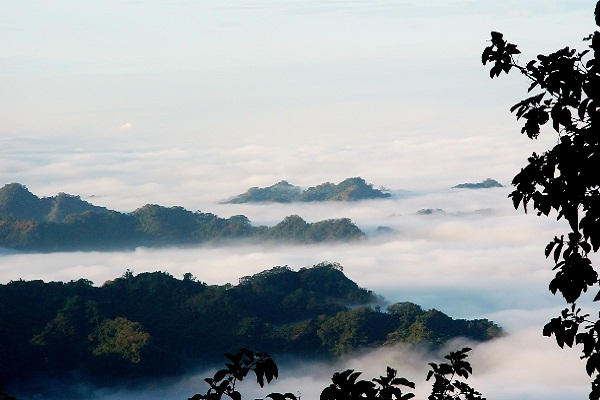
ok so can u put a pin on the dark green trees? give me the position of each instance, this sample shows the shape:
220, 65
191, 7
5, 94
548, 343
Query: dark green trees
65, 222
281, 192
295, 229
565, 88
121, 337
138, 327
350, 189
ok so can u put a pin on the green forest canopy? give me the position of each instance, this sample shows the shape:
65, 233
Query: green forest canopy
350, 189
66, 222
153, 324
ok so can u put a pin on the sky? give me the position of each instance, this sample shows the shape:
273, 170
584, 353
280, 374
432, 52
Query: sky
209, 98
191, 102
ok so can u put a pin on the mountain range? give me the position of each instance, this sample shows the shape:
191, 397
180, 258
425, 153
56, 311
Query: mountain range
485, 184
66, 222
152, 325
350, 189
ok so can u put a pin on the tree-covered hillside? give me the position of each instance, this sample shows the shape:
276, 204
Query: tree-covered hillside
281, 192
351, 189
153, 324
66, 222
17, 202
485, 184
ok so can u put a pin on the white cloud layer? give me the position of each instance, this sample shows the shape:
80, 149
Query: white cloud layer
465, 263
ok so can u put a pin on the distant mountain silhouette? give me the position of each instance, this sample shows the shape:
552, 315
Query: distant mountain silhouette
65, 222
439, 212
281, 192
431, 211
485, 184
351, 189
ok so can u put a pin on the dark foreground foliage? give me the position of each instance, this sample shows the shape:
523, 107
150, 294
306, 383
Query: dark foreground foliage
344, 385
150, 325
565, 93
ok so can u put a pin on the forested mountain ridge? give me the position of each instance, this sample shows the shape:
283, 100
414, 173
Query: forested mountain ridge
350, 189
485, 184
152, 324
16, 201
65, 222
281, 192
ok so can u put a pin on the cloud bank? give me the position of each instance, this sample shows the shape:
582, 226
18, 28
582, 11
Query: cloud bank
466, 263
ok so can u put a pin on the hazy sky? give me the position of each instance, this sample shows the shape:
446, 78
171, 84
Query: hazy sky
191, 102
160, 99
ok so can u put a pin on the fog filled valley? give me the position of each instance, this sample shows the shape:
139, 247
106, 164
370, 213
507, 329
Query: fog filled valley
479, 258
190, 108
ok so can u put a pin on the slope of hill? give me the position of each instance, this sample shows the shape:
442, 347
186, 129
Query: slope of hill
351, 189
16, 201
65, 222
281, 192
485, 184
152, 324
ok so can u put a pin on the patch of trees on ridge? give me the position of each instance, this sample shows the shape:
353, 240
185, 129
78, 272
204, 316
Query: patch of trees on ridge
485, 184
351, 189
152, 324
66, 222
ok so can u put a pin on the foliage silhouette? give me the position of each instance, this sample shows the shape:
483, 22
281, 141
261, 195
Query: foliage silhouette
564, 179
239, 366
345, 385
443, 386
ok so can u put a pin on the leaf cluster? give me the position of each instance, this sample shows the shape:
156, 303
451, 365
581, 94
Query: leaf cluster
347, 385
239, 366
564, 93
444, 387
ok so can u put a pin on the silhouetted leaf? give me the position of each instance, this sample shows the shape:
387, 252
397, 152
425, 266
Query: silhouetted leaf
220, 374
280, 396
404, 382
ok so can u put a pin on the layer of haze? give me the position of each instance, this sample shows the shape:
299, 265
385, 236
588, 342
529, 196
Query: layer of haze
191, 102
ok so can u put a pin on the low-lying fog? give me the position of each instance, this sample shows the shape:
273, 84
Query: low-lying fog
479, 259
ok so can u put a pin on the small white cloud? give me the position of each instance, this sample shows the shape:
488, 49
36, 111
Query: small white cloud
126, 126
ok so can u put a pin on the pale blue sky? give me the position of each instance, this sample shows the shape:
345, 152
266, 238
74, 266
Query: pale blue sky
305, 90
258, 70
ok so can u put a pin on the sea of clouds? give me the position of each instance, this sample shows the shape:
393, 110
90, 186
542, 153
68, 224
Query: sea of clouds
190, 103
478, 259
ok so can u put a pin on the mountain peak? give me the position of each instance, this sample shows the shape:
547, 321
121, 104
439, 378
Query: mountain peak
485, 184
350, 189
16, 201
